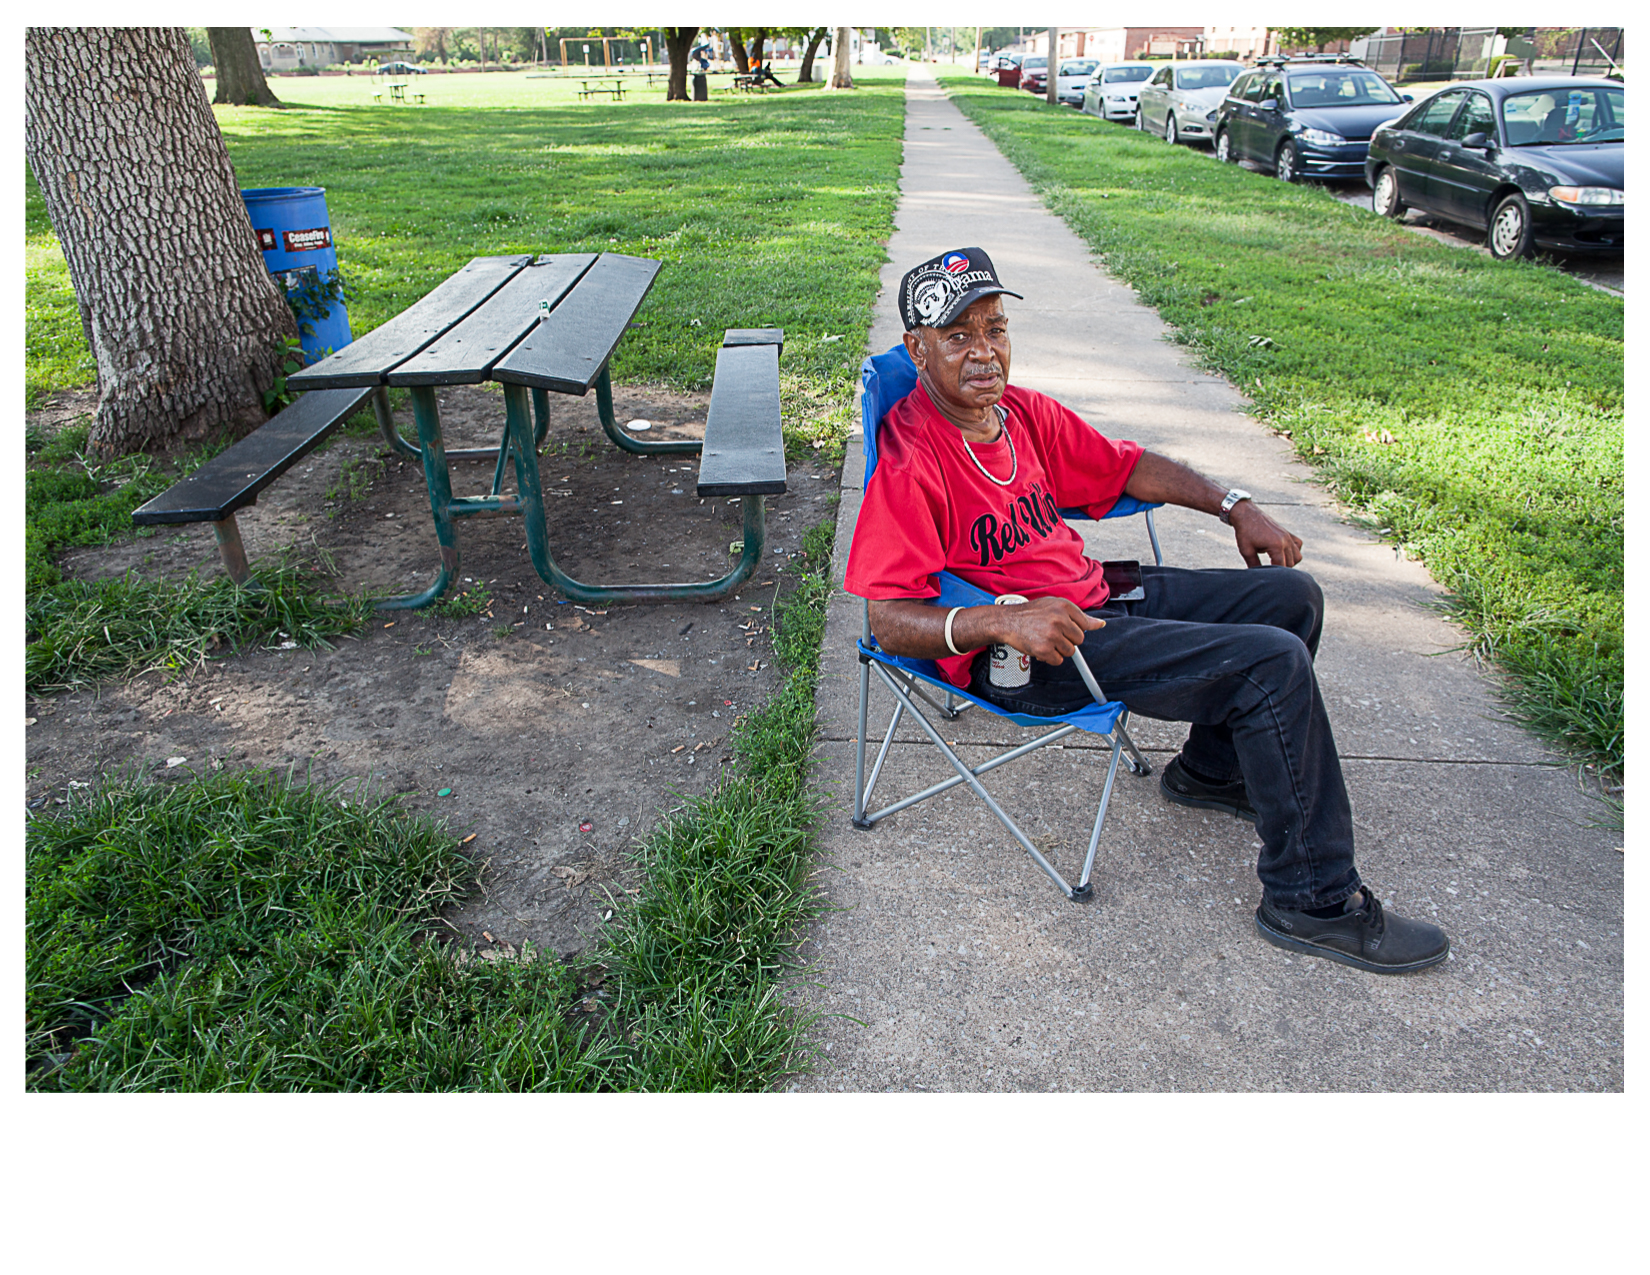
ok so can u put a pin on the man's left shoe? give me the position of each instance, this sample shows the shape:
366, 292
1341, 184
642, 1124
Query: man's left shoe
1180, 787
1365, 936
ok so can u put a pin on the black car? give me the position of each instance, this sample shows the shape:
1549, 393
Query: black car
1532, 161
1306, 118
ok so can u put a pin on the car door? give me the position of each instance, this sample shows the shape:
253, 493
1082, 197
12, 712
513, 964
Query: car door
1266, 122
1462, 180
1235, 107
1414, 149
1154, 100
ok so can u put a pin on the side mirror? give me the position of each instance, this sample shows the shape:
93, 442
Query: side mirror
1477, 142
1269, 104
1408, 97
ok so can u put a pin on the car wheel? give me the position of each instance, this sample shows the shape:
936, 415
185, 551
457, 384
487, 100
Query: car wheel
1223, 148
1140, 121
1288, 163
1386, 200
1171, 132
1509, 236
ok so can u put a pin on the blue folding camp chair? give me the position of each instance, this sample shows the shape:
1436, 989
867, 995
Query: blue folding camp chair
887, 379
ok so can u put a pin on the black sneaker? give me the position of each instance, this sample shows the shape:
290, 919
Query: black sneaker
1179, 787
1365, 936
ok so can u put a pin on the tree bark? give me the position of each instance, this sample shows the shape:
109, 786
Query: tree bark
741, 59
841, 76
1051, 93
816, 37
240, 75
678, 43
757, 42
183, 318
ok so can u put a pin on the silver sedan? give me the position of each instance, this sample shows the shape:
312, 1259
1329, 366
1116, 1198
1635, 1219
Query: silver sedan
1113, 91
1179, 102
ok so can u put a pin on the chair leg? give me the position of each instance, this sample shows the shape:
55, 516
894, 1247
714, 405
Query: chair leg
859, 747
1105, 800
1137, 763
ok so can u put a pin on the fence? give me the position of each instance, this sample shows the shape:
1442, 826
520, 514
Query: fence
1467, 53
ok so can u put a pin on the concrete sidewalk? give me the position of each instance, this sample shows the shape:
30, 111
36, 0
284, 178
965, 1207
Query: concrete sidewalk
951, 963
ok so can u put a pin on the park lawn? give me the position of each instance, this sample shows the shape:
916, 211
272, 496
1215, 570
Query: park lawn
1471, 410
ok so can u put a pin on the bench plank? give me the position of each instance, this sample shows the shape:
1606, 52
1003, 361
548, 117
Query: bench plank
744, 452
232, 479
567, 351
465, 354
367, 359
755, 336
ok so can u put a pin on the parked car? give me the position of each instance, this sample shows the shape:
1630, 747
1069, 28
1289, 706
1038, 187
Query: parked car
1531, 161
400, 68
1008, 69
1034, 73
1180, 100
1305, 118
1074, 78
1113, 91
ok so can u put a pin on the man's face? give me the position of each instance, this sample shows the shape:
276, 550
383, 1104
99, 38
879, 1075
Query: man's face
964, 366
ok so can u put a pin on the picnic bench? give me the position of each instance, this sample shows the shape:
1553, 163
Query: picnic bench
231, 480
612, 85
537, 326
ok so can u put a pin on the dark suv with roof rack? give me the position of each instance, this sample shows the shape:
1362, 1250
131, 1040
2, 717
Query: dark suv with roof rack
1305, 117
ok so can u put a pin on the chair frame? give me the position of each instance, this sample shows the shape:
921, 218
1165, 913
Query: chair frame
911, 680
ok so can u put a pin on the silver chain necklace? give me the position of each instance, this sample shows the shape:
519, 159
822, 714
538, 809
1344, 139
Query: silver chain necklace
1002, 423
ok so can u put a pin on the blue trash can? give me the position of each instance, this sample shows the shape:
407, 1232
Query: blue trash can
296, 237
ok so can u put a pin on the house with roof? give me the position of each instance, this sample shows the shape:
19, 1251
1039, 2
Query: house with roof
288, 48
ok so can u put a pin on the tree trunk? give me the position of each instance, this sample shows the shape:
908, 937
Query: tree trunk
1051, 93
183, 318
815, 38
678, 42
741, 59
240, 75
841, 76
757, 42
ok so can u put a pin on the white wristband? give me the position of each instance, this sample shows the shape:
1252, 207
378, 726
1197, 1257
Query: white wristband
952, 615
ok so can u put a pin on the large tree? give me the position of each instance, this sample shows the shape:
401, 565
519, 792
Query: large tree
841, 76
240, 75
815, 37
678, 44
178, 309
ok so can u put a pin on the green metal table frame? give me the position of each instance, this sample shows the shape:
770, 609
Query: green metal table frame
526, 423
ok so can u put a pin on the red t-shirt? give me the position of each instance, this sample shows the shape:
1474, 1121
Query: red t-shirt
928, 508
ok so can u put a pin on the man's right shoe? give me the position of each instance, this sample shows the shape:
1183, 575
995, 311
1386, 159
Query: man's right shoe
1181, 788
1365, 936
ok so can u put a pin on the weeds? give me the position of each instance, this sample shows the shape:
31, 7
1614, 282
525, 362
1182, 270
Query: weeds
476, 600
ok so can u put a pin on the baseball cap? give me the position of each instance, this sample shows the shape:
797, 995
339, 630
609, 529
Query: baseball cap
936, 292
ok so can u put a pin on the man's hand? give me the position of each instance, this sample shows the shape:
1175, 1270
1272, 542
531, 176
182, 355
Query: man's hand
1047, 629
1258, 534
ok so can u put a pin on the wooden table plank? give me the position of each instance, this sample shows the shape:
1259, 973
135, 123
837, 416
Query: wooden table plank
465, 354
368, 359
567, 351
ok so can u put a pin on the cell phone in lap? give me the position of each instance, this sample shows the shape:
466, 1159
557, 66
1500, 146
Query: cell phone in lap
1123, 580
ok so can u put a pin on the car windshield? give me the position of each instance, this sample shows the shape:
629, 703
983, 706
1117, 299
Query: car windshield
1034, 64
1206, 77
1341, 88
1078, 66
1584, 114
1127, 74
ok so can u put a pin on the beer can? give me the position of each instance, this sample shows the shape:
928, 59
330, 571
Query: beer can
1009, 668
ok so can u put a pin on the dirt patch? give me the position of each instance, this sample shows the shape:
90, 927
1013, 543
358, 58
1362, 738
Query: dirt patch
557, 734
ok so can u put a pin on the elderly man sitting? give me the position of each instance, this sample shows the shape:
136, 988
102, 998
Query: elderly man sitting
971, 476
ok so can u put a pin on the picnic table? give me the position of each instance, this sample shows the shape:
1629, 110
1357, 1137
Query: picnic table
397, 90
613, 85
549, 324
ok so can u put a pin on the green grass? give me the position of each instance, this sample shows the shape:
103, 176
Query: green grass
1470, 409
236, 933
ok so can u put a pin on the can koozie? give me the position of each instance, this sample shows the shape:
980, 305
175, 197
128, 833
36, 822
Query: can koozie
1009, 668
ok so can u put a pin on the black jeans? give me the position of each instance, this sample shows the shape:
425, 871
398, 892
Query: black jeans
1229, 651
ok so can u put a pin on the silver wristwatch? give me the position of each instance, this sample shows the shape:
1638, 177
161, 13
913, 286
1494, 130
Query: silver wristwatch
1226, 506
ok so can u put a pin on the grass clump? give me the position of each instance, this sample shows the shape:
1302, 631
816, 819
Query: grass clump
238, 933
1471, 410
84, 630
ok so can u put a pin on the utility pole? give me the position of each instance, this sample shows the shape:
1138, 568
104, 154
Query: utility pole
1053, 86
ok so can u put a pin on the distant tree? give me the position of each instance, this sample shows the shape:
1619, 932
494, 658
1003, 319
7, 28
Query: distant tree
432, 42
176, 304
814, 38
1316, 37
678, 44
240, 75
